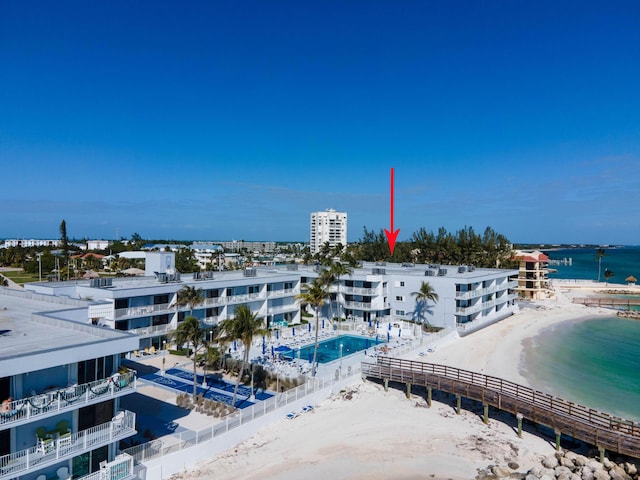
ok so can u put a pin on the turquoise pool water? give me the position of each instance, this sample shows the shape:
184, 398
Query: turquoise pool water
329, 350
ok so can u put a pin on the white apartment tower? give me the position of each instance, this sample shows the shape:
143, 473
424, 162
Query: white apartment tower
328, 226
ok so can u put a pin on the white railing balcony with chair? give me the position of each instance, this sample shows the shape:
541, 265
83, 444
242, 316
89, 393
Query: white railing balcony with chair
43, 455
24, 410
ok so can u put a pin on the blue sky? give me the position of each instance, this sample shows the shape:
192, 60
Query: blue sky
235, 120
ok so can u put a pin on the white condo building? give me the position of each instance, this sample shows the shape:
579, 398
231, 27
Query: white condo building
328, 226
61, 382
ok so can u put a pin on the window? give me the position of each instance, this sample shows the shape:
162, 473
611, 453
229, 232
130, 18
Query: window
399, 284
399, 298
400, 313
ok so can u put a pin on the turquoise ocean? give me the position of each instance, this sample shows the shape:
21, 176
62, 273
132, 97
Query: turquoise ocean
591, 361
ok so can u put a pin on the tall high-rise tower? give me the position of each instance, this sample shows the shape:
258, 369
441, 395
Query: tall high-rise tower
328, 226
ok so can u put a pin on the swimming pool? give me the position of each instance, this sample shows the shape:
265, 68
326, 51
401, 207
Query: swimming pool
329, 350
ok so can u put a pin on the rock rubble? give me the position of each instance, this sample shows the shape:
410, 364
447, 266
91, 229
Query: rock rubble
566, 465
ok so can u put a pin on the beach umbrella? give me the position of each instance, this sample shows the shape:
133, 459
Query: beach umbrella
323, 323
293, 331
309, 325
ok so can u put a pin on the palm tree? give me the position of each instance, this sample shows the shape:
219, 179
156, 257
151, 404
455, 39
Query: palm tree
599, 254
189, 331
243, 327
426, 293
314, 295
191, 297
339, 269
607, 275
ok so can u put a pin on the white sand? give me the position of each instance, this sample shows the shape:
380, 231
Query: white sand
379, 435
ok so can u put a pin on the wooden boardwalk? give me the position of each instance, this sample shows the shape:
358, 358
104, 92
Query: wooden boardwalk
564, 417
607, 302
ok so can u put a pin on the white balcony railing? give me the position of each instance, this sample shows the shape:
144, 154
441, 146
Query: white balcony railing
359, 290
48, 404
215, 301
282, 292
143, 310
151, 331
282, 308
121, 468
37, 457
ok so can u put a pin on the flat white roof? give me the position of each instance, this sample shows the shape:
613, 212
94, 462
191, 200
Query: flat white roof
34, 336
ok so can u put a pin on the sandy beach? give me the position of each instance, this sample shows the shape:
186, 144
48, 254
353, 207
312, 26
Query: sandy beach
367, 433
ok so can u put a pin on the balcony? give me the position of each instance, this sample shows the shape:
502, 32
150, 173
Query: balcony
283, 292
359, 290
246, 297
282, 308
143, 310
48, 404
215, 301
359, 305
151, 331
35, 458
121, 468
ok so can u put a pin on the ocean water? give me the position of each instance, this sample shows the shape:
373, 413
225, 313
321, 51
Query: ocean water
594, 362
622, 261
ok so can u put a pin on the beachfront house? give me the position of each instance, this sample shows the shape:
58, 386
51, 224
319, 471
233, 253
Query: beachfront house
533, 274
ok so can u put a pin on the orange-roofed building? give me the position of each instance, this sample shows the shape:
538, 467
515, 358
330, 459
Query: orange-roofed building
533, 275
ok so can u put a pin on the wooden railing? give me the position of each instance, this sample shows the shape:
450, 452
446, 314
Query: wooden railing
607, 301
580, 422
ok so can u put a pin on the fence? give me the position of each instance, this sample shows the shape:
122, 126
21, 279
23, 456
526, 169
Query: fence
177, 442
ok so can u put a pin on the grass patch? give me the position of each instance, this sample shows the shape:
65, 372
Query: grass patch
21, 277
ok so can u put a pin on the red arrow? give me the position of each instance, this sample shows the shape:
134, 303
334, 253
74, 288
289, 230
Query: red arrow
391, 233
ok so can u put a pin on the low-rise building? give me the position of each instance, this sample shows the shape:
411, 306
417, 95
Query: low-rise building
60, 387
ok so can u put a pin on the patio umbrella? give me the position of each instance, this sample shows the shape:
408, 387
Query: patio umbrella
264, 346
389, 326
399, 331
293, 331
277, 333
273, 351
323, 323
309, 325
235, 345
388, 337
